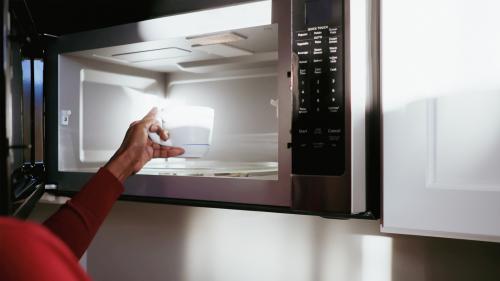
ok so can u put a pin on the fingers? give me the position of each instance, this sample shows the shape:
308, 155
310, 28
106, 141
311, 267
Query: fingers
159, 153
167, 151
152, 124
164, 134
156, 146
151, 114
156, 128
175, 151
150, 118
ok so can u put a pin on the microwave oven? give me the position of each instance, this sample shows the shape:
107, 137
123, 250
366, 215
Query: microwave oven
291, 85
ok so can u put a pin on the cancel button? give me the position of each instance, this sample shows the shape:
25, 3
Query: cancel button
334, 131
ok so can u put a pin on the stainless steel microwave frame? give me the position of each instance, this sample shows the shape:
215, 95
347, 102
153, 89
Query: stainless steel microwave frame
352, 193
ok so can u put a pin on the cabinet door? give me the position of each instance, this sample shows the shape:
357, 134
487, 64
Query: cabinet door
440, 91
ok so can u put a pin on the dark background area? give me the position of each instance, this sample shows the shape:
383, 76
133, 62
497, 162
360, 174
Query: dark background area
59, 17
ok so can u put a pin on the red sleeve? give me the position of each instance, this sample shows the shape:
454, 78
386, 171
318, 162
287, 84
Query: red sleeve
77, 221
29, 252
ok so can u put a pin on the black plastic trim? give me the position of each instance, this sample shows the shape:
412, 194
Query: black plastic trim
24, 210
230, 206
5, 193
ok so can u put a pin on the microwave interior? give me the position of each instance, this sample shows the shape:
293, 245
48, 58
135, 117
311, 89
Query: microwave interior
220, 88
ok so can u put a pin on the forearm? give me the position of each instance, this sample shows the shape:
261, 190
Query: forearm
77, 221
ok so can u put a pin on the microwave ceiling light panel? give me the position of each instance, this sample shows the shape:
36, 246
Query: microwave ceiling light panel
219, 38
223, 50
151, 55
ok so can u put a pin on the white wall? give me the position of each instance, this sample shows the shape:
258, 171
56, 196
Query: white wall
142, 241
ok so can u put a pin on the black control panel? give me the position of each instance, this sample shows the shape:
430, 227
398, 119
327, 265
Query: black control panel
318, 128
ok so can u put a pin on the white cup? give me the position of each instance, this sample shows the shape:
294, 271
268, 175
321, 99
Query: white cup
189, 127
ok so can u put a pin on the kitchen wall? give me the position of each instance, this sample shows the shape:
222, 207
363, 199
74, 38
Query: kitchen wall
142, 241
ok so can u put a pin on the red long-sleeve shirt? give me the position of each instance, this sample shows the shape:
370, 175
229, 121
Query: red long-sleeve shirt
30, 251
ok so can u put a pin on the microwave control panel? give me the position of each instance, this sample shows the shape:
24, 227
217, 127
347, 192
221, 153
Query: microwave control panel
318, 127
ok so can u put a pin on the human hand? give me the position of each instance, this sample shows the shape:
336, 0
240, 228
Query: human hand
137, 148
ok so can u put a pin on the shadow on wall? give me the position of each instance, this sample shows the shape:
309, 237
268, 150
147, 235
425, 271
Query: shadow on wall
144, 241
141, 241
444, 259
356, 250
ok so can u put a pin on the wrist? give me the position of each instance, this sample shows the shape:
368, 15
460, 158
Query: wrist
120, 166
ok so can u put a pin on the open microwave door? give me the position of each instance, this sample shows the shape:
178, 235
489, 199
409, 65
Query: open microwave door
220, 75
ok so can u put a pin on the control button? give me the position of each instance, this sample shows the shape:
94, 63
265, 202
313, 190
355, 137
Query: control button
317, 60
333, 49
317, 32
302, 86
318, 37
333, 59
303, 102
303, 62
334, 109
333, 69
333, 90
303, 44
318, 70
334, 135
317, 91
333, 40
334, 130
303, 71
303, 131
317, 81
303, 53
333, 30
317, 145
333, 138
302, 35
318, 42
332, 99
317, 100
333, 80
317, 51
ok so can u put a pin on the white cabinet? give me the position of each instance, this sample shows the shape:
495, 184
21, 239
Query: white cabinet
440, 95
